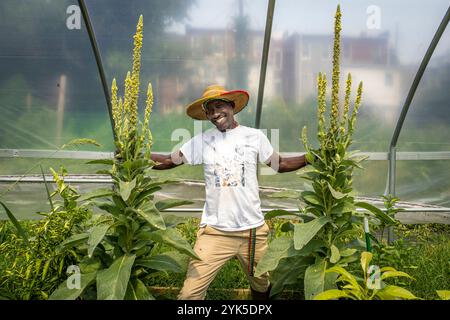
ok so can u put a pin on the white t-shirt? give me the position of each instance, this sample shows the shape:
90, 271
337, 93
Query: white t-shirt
230, 167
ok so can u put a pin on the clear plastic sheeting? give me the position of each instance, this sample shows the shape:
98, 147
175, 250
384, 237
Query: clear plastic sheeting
50, 90
382, 44
187, 46
51, 93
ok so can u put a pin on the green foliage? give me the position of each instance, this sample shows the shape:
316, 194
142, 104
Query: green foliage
358, 288
119, 250
324, 238
423, 251
32, 264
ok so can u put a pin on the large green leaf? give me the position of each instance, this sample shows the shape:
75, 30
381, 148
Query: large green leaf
170, 203
377, 212
161, 262
394, 292
16, 223
64, 293
96, 236
125, 188
336, 194
278, 249
141, 290
290, 270
315, 279
173, 238
101, 161
75, 240
150, 213
331, 295
97, 193
173, 220
112, 282
304, 232
137, 291
311, 197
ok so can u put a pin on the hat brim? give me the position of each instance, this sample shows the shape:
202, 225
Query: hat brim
239, 97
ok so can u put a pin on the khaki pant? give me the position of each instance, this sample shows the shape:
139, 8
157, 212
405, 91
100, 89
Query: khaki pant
215, 248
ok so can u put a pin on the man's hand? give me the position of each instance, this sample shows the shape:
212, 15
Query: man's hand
167, 161
286, 164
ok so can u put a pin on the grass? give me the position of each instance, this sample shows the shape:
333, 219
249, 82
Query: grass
423, 251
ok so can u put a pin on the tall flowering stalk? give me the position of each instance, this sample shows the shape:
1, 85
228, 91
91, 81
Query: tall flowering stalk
120, 242
330, 221
132, 137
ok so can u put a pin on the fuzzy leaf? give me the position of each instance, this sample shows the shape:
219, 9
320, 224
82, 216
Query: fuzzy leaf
173, 238
315, 279
377, 212
152, 215
126, 187
96, 236
112, 283
101, 161
170, 203
311, 197
64, 293
304, 232
161, 262
98, 193
279, 248
336, 194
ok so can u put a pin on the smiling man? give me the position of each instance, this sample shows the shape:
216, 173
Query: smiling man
232, 223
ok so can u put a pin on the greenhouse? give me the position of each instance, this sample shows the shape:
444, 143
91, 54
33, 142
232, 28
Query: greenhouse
335, 112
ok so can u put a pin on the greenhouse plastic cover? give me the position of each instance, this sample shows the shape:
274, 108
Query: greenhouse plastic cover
51, 90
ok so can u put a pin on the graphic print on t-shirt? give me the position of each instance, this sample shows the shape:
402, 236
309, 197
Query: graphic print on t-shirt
229, 169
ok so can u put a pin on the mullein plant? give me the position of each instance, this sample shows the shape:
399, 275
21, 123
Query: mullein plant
330, 229
121, 244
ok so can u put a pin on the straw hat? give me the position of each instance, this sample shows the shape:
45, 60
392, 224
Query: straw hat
239, 97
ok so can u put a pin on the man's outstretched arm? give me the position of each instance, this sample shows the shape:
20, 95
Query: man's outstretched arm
167, 161
286, 164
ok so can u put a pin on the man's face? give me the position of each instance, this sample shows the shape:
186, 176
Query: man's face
220, 113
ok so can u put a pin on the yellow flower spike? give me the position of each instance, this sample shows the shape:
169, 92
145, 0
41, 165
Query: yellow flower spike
352, 120
114, 106
335, 77
346, 105
127, 105
135, 73
148, 111
120, 123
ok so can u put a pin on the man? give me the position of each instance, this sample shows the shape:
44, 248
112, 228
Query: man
232, 224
